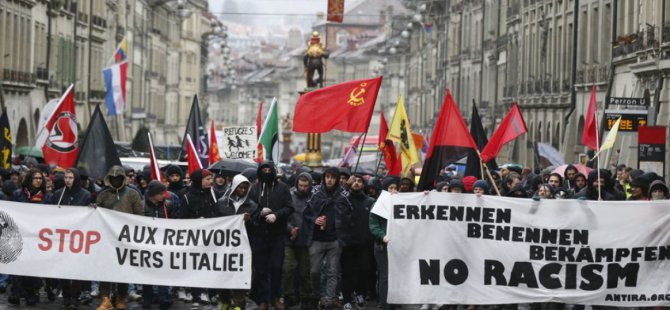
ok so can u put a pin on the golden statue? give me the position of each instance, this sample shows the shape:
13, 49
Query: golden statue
313, 60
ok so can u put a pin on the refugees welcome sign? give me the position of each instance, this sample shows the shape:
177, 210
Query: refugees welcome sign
462, 249
101, 245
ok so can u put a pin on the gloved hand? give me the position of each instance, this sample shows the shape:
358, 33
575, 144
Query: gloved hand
266, 211
270, 218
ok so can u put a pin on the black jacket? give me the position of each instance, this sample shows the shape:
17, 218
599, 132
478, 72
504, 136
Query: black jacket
299, 206
159, 210
321, 200
357, 231
196, 201
274, 195
74, 196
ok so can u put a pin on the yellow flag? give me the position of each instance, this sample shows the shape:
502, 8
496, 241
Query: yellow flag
400, 131
608, 143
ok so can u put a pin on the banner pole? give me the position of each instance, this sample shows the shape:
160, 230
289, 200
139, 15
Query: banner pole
61, 196
360, 152
495, 186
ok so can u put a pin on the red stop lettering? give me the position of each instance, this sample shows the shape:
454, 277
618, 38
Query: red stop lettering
74, 241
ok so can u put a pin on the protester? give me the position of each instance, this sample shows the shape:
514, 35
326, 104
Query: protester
296, 260
345, 173
545, 191
175, 178
591, 192
198, 202
220, 184
391, 184
406, 185
374, 187
580, 182
456, 186
357, 245
117, 196
322, 222
555, 180
156, 205
33, 190
658, 191
442, 186
639, 189
480, 188
569, 177
235, 202
268, 237
468, 183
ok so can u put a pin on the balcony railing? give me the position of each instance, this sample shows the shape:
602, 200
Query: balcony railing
628, 44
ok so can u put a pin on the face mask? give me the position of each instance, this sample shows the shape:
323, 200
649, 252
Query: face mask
116, 182
266, 177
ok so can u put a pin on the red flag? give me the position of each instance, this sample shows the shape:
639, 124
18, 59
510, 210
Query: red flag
259, 126
346, 106
396, 165
61, 145
450, 141
214, 155
388, 149
153, 163
590, 133
335, 11
511, 127
192, 156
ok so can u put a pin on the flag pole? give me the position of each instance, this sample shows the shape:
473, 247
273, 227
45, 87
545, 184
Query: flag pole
495, 186
598, 153
61, 196
365, 136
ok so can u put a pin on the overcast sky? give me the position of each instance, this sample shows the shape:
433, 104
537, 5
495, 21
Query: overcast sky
269, 13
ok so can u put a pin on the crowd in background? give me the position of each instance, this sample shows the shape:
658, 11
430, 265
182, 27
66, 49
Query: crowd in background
314, 242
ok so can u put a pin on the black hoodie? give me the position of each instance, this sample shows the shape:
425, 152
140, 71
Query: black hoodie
299, 205
178, 187
357, 230
74, 196
198, 202
270, 193
331, 202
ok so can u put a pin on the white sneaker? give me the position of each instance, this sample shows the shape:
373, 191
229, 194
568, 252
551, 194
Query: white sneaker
360, 301
133, 296
195, 306
215, 299
188, 297
95, 293
425, 307
181, 294
204, 298
347, 306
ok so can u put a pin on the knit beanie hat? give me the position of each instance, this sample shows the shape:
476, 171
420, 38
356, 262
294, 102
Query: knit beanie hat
468, 183
482, 184
155, 187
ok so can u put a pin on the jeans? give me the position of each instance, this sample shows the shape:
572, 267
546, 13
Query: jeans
296, 272
267, 260
119, 289
355, 268
329, 251
381, 255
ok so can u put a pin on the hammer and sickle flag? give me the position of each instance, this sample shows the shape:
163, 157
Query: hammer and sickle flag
346, 106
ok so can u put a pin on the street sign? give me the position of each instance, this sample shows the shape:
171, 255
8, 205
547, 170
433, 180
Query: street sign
651, 149
638, 102
631, 120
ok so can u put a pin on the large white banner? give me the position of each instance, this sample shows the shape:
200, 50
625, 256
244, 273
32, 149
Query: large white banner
462, 249
239, 142
102, 245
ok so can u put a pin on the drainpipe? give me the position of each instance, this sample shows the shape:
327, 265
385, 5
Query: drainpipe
575, 32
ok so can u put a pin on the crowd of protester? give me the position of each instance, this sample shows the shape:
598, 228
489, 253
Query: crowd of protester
314, 242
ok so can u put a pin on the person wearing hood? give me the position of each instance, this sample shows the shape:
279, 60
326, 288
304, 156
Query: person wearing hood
658, 191
357, 245
175, 178
198, 202
374, 187
117, 196
590, 192
323, 223
235, 201
456, 186
406, 185
268, 237
220, 184
71, 194
639, 188
569, 177
296, 260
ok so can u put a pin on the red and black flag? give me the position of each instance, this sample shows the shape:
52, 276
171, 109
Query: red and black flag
473, 167
450, 142
58, 138
195, 128
98, 152
510, 128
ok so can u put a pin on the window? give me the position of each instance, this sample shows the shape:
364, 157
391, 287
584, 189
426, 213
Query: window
341, 37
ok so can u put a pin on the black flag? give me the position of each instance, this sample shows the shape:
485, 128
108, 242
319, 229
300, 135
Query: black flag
98, 152
477, 131
5, 141
194, 128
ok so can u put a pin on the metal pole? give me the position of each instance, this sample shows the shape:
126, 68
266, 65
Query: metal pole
88, 84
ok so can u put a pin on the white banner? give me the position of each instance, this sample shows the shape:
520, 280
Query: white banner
239, 142
462, 249
102, 245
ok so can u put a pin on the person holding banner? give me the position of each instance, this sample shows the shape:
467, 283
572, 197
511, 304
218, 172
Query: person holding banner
71, 195
117, 196
198, 202
235, 202
33, 190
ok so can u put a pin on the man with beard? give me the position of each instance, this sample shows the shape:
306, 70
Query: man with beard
356, 240
117, 196
296, 261
175, 178
322, 221
268, 237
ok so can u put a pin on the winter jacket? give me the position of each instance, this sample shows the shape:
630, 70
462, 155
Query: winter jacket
357, 231
377, 227
324, 202
122, 199
299, 205
74, 196
196, 201
166, 210
274, 195
229, 205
